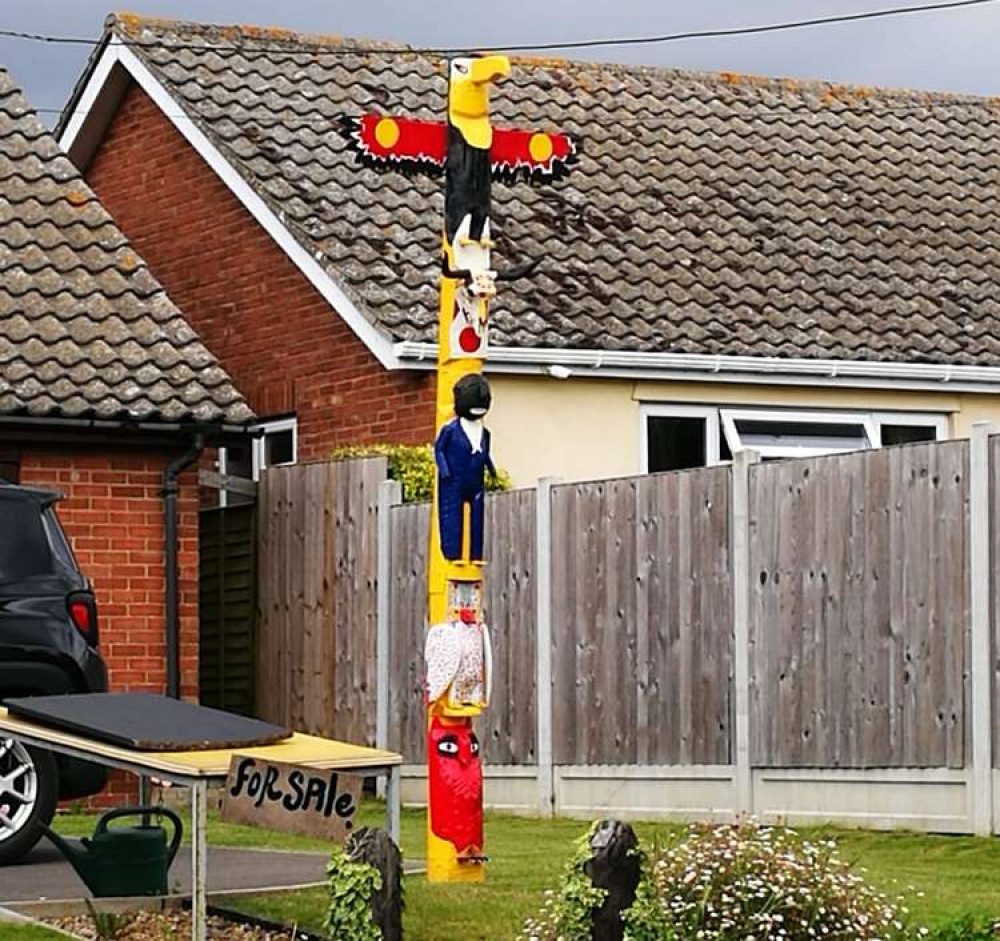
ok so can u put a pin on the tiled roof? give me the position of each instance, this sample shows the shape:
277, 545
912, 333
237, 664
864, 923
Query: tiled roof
710, 214
85, 330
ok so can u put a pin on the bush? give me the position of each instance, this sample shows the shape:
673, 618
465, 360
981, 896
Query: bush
352, 886
736, 882
744, 881
566, 913
413, 467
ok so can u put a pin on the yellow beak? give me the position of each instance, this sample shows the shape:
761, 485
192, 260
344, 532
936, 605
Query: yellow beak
469, 99
489, 69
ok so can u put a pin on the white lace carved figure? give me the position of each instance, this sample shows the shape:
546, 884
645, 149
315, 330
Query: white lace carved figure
458, 663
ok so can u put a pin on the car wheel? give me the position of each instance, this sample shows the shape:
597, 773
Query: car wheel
29, 785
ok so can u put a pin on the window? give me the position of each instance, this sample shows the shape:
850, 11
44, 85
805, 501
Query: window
276, 443
678, 437
675, 437
276, 446
796, 434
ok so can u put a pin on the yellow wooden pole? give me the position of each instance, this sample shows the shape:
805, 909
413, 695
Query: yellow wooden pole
468, 115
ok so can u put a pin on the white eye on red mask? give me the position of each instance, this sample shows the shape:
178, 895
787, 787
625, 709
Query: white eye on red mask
448, 746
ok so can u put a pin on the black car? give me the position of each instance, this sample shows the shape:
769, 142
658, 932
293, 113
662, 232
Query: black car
48, 645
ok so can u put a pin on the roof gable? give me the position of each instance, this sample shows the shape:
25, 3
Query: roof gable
85, 329
708, 215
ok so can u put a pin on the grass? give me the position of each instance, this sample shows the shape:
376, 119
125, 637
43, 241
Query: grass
942, 877
11, 932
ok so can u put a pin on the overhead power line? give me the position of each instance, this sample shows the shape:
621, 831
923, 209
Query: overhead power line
714, 33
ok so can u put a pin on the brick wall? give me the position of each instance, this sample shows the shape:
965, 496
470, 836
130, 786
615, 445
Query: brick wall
113, 514
283, 345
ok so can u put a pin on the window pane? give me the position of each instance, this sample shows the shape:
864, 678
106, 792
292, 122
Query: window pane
24, 547
58, 542
767, 433
239, 460
279, 447
675, 443
907, 434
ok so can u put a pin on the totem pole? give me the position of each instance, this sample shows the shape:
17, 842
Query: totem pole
457, 650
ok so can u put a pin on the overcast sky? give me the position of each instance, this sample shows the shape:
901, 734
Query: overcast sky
949, 50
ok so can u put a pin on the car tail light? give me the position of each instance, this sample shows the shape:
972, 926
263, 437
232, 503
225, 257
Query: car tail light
83, 614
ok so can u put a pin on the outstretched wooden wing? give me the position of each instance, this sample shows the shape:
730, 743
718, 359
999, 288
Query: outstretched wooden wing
383, 142
536, 156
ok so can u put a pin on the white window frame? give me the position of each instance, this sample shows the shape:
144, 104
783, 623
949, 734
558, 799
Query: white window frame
709, 413
937, 420
730, 416
257, 450
270, 427
713, 416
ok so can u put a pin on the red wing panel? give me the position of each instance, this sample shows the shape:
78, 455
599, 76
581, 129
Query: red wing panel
389, 143
537, 156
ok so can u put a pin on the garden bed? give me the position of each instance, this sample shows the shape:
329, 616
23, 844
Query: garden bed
176, 926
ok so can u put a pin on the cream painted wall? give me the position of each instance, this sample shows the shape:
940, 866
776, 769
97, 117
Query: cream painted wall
580, 429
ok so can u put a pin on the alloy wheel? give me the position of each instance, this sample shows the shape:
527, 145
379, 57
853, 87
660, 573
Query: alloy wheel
18, 787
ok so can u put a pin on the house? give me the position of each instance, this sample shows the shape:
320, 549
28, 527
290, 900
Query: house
794, 266
108, 395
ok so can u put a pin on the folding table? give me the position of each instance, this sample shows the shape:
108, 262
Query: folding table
198, 769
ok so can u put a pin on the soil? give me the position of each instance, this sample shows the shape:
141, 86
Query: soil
168, 926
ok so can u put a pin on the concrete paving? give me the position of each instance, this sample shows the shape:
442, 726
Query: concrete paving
43, 874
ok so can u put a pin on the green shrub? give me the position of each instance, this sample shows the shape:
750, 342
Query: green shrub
413, 467
351, 886
728, 883
566, 913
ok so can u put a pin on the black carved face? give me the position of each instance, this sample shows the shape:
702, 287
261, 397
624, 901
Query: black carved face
472, 396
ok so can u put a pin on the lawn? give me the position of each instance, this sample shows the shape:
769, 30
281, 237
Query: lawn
942, 877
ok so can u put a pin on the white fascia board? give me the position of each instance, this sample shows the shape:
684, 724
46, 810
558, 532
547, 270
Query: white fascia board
377, 343
731, 369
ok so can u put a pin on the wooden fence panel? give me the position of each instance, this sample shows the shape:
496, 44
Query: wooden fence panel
316, 647
408, 624
642, 620
994, 486
354, 545
227, 607
859, 611
507, 729
508, 732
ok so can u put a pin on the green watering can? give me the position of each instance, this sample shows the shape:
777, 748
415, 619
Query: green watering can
124, 861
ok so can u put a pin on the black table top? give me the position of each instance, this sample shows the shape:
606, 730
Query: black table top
146, 722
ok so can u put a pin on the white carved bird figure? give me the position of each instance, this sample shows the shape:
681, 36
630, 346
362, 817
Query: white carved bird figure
458, 663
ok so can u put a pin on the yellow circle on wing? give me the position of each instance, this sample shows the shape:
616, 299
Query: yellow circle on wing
540, 147
387, 133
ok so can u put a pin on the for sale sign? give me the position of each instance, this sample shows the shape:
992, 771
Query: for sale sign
292, 798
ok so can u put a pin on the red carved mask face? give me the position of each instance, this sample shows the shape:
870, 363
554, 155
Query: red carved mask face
456, 784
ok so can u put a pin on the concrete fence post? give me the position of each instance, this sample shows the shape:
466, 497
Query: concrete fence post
739, 508
543, 644
981, 672
390, 494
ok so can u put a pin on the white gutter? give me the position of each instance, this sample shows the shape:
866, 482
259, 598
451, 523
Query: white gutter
609, 364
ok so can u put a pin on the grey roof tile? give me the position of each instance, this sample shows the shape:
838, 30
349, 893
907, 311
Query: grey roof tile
85, 329
713, 214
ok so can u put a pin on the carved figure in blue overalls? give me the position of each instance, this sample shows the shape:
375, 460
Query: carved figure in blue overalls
462, 452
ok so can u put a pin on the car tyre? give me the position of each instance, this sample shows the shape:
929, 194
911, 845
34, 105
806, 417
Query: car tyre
29, 789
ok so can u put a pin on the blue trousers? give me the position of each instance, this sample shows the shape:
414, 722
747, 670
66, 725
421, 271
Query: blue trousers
452, 500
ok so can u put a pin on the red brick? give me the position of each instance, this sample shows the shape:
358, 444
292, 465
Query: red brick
119, 544
278, 338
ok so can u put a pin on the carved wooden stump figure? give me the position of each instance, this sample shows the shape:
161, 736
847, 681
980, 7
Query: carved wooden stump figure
375, 847
613, 866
